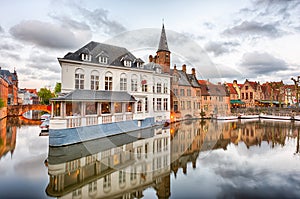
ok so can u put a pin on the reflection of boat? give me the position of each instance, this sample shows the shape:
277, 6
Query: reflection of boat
276, 117
242, 116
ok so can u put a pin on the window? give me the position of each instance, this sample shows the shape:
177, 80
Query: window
189, 93
122, 177
188, 104
165, 104
246, 96
106, 182
158, 104
127, 63
108, 81
198, 105
105, 107
243, 96
91, 108
94, 80
175, 91
246, 87
153, 103
182, 107
118, 107
205, 98
134, 83
103, 60
158, 87
86, 57
165, 88
181, 92
79, 79
251, 95
197, 93
128, 107
146, 104
144, 85
175, 106
123, 82
139, 106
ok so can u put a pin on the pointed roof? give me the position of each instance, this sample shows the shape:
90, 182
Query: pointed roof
163, 44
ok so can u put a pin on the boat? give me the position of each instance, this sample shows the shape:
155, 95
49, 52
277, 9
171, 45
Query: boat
276, 117
228, 117
242, 116
297, 117
45, 126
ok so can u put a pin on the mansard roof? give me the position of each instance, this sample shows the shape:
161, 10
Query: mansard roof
115, 54
163, 44
95, 95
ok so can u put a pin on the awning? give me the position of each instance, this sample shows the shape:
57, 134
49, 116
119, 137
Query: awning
96, 96
236, 102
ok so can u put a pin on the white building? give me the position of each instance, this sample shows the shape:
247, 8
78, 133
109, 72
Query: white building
103, 83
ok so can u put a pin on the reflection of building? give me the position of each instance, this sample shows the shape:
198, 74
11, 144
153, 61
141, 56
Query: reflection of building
118, 166
7, 138
28, 96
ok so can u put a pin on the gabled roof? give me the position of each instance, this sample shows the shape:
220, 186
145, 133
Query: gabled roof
163, 44
95, 49
6, 73
231, 89
93, 95
193, 81
183, 78
210, 89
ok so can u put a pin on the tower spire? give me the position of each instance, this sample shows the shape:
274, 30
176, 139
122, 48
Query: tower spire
163, 44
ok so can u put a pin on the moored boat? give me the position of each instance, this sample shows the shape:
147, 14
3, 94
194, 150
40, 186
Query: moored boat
242, 116
226, 117
277, 117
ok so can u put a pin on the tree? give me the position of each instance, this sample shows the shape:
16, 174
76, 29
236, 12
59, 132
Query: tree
57, 88
44, 95
1, 103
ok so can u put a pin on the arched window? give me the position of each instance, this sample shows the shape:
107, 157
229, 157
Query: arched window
108, 81
123, 82
79, 78
94, 80
144, 84
134, 82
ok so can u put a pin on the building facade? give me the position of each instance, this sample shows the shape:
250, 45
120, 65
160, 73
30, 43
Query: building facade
105, 83
251, 92
12, 86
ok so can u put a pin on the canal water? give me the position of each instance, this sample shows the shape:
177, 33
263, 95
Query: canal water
191, 159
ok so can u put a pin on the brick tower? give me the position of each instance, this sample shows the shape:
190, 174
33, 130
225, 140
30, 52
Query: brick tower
163, 54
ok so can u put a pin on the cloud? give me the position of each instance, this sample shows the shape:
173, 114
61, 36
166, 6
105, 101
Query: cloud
263, 63
49, 35
220, 48
253, 28
99, 19
1, 29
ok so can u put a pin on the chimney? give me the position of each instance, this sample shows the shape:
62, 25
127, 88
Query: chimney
193, 71
174, 66
184, 68
155, 58
235, 81
150, 58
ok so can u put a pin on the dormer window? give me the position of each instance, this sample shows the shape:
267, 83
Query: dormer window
103, 60
127, 63
86, 57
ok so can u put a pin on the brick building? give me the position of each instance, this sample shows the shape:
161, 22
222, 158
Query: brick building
251, 92
12, 81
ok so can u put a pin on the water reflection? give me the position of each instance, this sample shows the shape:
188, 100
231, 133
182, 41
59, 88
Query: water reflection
127, 165
7, 138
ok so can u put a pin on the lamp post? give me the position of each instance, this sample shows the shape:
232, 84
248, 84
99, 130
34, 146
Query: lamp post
296, 82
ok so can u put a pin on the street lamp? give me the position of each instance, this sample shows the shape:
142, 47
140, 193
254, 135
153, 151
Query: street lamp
296, 82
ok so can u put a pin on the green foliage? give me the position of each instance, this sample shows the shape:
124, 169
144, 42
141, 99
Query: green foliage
45, 94
1, 103
57, 88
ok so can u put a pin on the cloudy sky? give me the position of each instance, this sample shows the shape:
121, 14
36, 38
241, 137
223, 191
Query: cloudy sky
223, 40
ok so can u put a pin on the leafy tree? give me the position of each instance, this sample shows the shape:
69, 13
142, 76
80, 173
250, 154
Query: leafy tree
57, 88
44, 95
1, 103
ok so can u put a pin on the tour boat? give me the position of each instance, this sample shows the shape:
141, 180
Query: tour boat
276, 117
228, 117
297, 117
242, 116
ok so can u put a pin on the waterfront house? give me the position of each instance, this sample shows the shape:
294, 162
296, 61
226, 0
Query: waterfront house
102, 83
